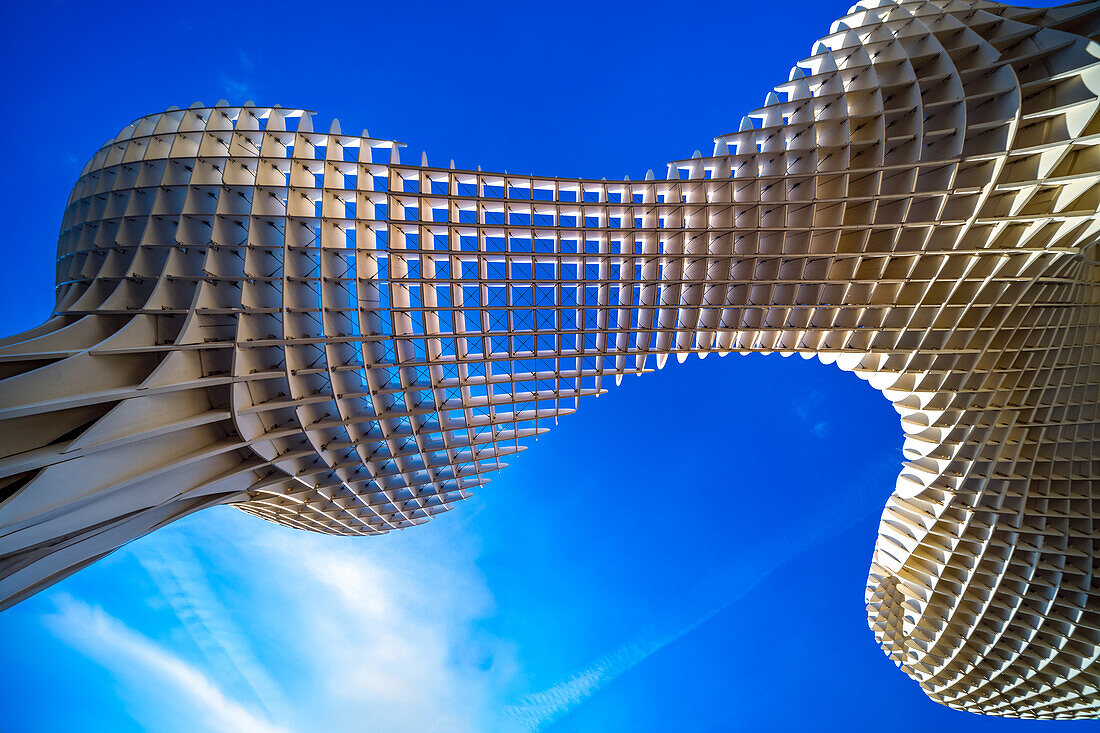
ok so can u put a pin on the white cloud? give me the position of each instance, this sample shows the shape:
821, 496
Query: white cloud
392, 632
182, 581
346, 634
322, 633
135, 658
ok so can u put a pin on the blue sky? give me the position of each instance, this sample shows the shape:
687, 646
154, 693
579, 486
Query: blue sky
687, 552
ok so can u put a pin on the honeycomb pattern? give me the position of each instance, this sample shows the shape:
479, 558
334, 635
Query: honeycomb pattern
253, 312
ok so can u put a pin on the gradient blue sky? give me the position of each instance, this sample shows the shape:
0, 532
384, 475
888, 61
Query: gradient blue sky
687, 552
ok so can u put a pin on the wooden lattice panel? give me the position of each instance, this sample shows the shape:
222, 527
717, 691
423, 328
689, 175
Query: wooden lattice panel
253, 312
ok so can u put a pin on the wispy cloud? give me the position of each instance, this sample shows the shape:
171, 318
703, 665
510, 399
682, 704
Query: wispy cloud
237, 90
722, 589
183, 583
236, 81
132, 656
808, 410
367, 636
382, 636
392, 626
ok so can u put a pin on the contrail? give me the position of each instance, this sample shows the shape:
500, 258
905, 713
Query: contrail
124, 651
178, 574
719, 593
